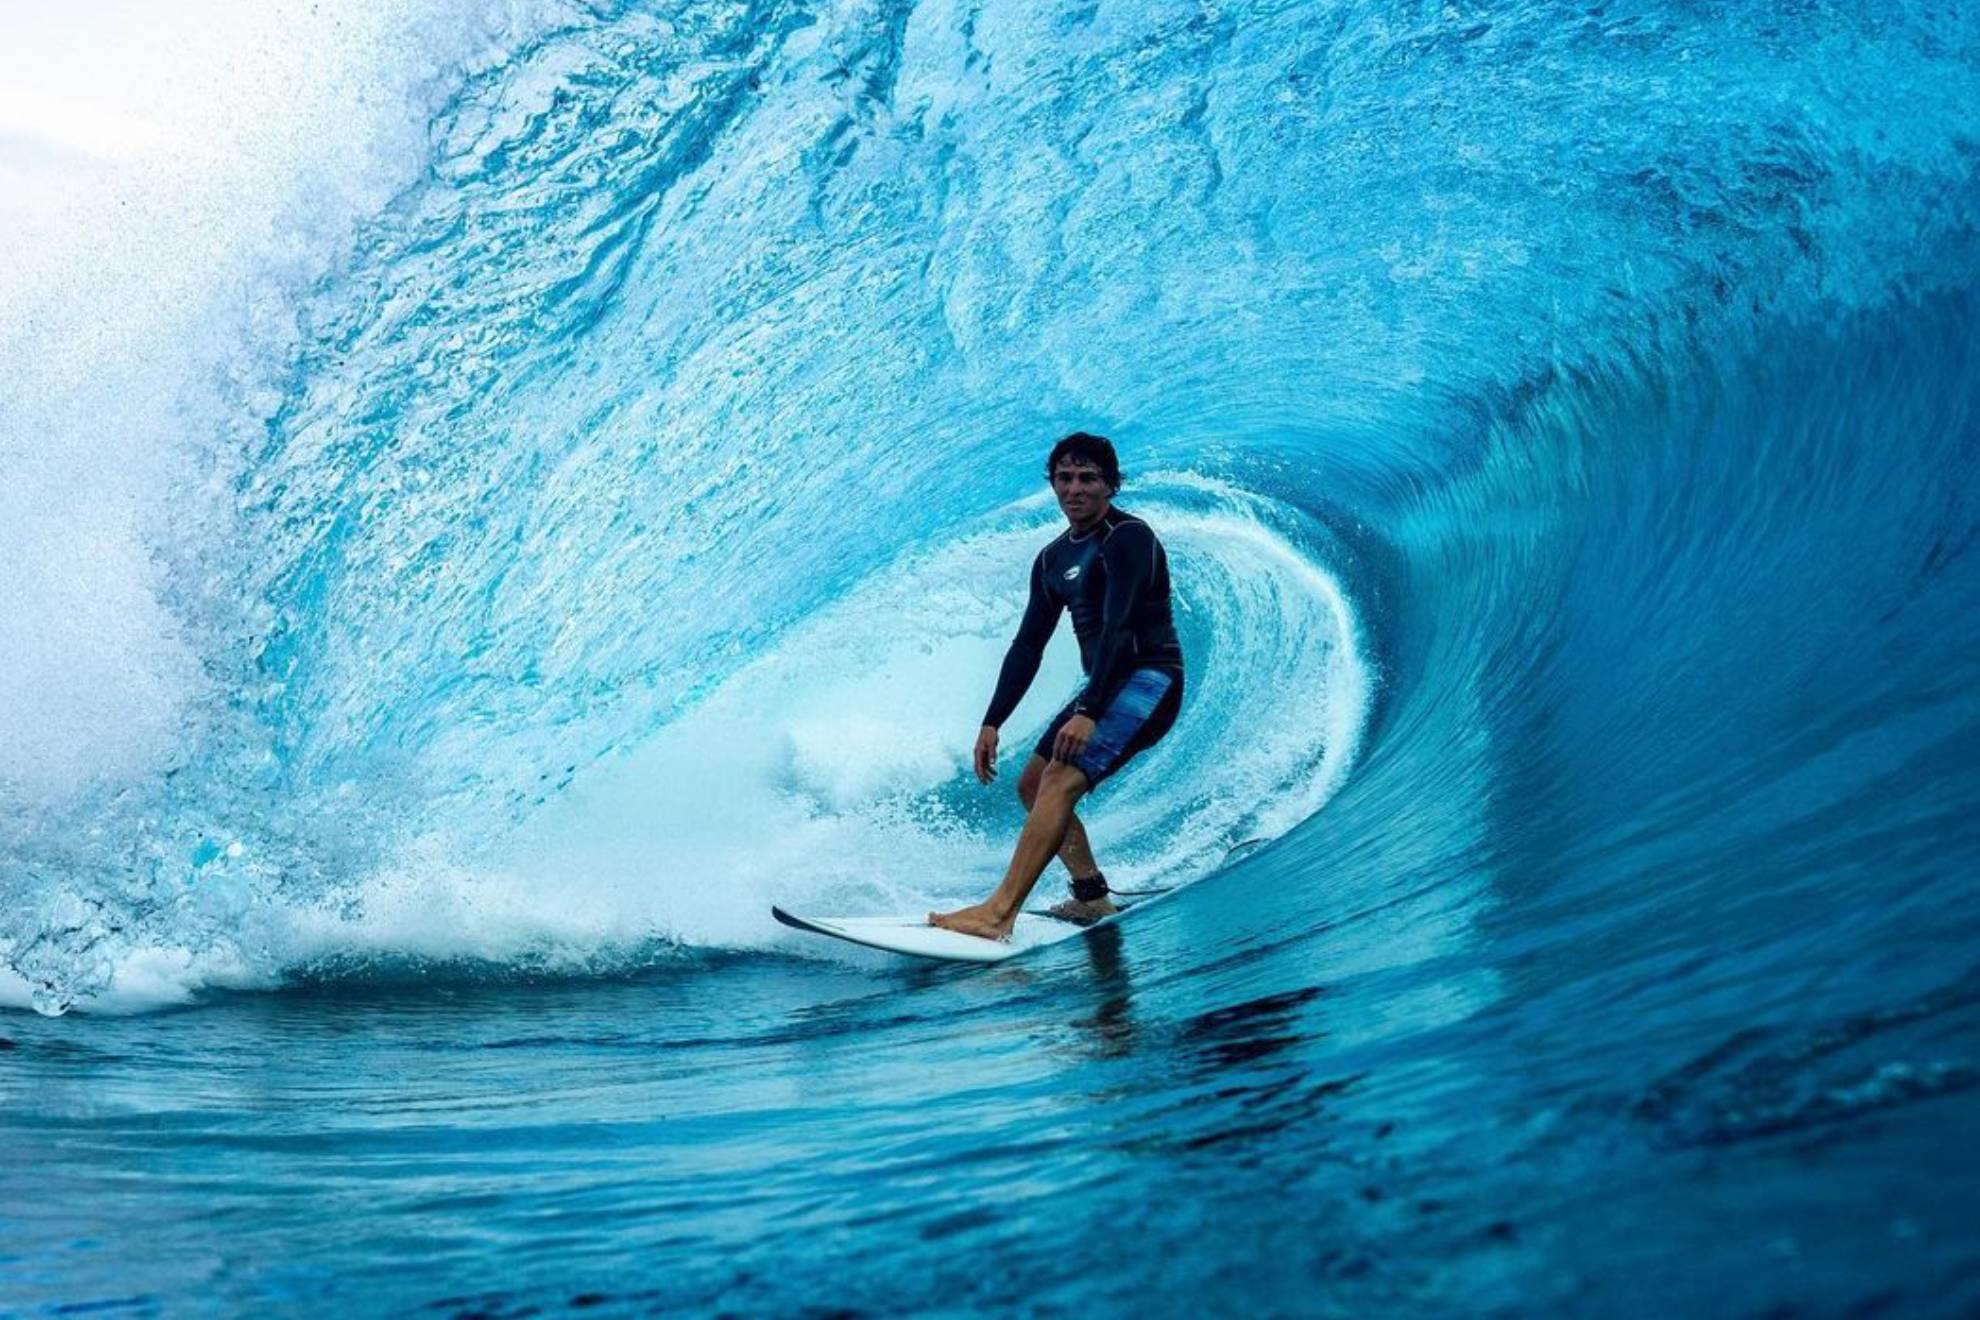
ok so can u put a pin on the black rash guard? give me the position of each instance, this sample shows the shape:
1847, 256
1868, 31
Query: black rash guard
1115, 580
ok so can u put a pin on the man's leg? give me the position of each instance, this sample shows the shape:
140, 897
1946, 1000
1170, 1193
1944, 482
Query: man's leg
1059, 789
1075, 852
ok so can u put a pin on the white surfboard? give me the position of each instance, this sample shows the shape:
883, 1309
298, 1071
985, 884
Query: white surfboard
912, 935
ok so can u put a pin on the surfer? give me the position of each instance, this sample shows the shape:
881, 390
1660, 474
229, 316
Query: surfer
1111, 572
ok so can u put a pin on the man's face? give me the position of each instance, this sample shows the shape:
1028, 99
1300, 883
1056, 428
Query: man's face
1082, 491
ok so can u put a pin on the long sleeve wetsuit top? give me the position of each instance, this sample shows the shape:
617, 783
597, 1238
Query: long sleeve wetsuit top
1115, 579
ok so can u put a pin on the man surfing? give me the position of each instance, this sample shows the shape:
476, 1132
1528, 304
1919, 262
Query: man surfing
1108, 569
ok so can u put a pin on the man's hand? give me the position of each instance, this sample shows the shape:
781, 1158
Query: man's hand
986, 754
1072, 738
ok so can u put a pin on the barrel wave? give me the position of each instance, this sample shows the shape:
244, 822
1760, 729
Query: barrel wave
1562, 420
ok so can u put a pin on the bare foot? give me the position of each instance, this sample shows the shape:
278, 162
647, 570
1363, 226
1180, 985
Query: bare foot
976, 919
1083, 913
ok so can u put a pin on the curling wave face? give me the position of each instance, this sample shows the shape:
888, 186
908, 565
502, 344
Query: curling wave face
573, 440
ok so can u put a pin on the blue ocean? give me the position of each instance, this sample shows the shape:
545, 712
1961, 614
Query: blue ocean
548, 481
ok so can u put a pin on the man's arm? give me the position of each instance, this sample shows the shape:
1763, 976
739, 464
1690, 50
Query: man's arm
1041, 615
1130, 552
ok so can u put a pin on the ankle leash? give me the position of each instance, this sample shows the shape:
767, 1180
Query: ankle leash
1089, 889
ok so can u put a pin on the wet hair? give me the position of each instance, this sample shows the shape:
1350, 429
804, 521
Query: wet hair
1084, 447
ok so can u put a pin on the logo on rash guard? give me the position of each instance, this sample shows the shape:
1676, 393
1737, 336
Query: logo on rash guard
1072, 572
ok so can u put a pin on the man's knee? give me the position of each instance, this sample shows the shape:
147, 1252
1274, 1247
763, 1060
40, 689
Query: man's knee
1062, 781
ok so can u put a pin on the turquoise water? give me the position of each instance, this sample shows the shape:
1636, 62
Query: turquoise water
1562, 420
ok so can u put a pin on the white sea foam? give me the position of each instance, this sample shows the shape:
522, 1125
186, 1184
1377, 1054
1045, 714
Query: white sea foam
164, 174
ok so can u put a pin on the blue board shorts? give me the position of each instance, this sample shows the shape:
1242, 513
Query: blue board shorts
1141, 711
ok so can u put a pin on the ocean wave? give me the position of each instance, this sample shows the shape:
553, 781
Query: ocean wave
550, 585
